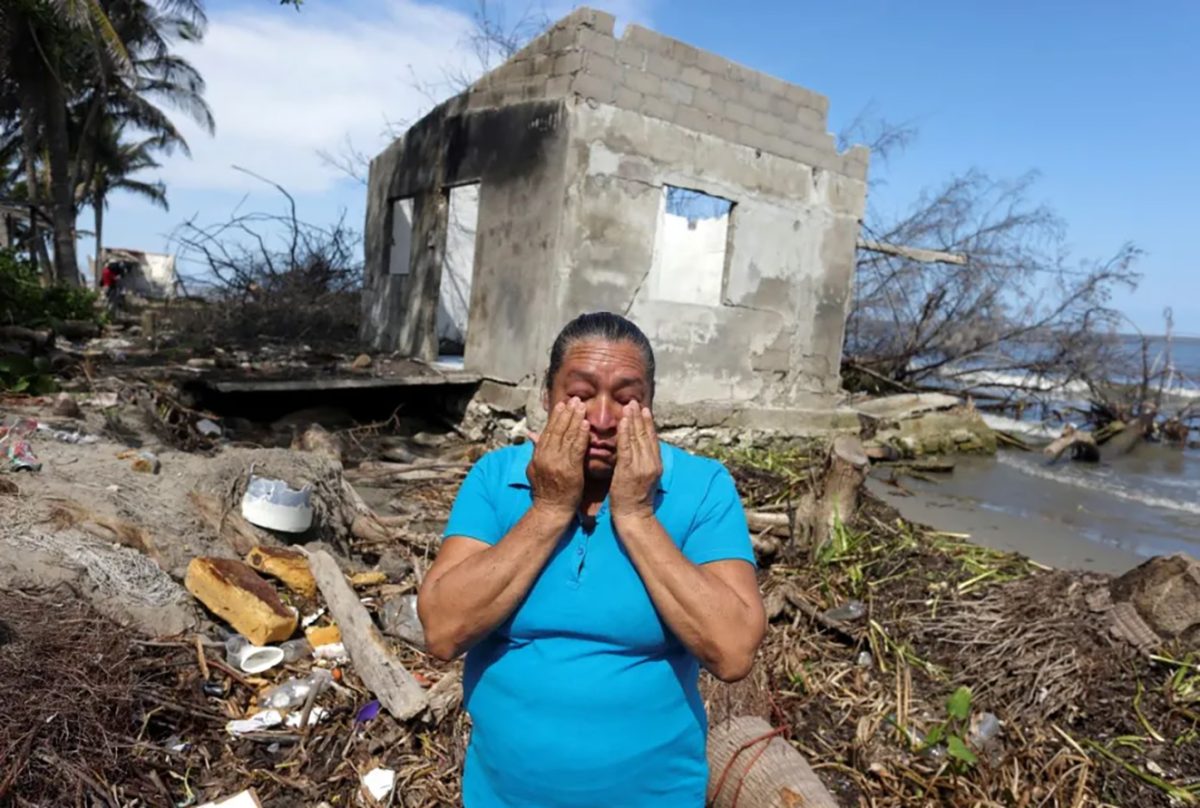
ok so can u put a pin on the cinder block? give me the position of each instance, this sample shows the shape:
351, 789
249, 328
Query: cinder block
712, 63
629, 53
558, 86
683, 53
678, 92
811, 118
663, 66
807, 98
603, 67
541, 64
709, 101
597, 42
626, 98
590, 86
642, 82
738, 113
755, 99
602, 21
648, 40
773, 86
725, 87
696, 77
744, 75
562, 38
769, 123
783, 108
659, 107
567, 63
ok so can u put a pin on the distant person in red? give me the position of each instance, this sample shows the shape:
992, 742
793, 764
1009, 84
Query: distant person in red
110, 282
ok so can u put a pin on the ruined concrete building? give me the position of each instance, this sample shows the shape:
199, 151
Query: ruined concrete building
634, 174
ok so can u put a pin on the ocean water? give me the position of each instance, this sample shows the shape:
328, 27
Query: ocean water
1145, 503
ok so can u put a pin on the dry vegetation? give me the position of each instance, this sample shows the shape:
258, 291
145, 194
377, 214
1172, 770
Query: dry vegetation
1085, 720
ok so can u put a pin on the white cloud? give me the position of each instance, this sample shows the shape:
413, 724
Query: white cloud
285, 85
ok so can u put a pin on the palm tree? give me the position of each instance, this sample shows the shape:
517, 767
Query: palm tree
113, 55
115, 161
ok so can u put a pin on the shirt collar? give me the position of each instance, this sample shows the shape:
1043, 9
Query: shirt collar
524, 453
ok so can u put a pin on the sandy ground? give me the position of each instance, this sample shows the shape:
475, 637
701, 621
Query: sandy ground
1055, 543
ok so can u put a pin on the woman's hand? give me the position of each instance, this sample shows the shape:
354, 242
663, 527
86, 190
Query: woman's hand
639, 464
556, 471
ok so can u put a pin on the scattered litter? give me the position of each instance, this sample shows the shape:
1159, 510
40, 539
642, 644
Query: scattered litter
312, 618
275, 505
293, 692
273, 718
251, 658
208, 428
244, 799
864, 659
368, 578
361, 362
102, 401
379, 782
296, 649
323, 635
334, 650
144, 461
63, 436
14, 442
399, 619
847, 612
367, 712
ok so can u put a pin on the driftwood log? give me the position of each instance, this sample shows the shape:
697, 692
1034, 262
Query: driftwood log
381, 672
752, 766
1081, 445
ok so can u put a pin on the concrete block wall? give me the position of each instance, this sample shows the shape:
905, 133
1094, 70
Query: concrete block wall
664, 78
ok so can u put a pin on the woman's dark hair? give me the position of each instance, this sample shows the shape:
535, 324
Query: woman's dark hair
599, 325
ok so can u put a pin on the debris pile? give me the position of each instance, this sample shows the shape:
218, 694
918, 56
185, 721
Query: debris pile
280, 660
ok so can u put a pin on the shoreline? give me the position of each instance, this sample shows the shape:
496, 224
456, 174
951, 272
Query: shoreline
968, 502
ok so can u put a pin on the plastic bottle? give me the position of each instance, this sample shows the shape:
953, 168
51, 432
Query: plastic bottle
293, 693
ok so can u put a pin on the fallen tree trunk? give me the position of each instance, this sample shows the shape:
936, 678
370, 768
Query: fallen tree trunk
381, 672
750, 764
1081, 445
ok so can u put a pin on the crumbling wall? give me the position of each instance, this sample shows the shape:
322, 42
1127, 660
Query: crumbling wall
583, 131
517, 154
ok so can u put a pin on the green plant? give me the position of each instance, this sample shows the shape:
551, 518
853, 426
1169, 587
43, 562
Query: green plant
952, 730
19, 374
24, 301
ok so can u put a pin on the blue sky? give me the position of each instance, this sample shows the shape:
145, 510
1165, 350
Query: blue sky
1099, 97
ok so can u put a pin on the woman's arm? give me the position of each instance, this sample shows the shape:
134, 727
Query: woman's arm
472, 586
715, 609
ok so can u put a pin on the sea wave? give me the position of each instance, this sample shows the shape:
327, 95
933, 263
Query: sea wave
1096, 482
1035, 383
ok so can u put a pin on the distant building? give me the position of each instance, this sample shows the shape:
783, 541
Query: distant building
150, 275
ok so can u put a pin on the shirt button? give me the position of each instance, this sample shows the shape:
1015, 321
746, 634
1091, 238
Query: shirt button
579, 551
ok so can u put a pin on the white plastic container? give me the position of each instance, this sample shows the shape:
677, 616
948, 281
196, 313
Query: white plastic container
275, 505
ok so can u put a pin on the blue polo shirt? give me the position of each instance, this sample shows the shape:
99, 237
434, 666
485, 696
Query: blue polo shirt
584, 698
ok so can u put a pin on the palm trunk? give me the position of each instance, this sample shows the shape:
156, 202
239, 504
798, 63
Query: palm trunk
98, 210
62, 196
29, 149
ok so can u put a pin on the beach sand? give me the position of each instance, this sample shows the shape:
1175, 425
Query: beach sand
1004, 510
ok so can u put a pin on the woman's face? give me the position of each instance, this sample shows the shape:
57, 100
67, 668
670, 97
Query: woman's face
605, 376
